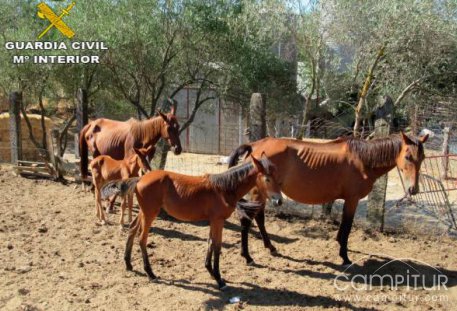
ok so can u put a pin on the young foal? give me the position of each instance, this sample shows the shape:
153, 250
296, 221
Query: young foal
104, 169
194, 198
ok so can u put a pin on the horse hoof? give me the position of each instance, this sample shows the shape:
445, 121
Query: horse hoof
153, 279
347, 264
222, 286
273, 251
100, 223
129, 267
250, 262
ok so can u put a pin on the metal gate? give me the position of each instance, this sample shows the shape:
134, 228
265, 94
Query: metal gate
438, 188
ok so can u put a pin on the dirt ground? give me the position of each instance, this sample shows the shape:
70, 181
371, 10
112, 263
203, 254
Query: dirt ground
54, 257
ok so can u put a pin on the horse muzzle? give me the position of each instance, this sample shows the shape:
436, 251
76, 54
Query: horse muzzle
277, 200
176, 149
412, 190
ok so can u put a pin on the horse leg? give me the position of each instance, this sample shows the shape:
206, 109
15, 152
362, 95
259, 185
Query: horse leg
260, 220
111, 201
216, 237
145, 225
133, 229
245, 226
98, 204
345, 228
130, 206
123, 204
209, 256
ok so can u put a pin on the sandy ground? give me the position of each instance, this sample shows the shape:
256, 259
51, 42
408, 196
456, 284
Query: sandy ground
54, 257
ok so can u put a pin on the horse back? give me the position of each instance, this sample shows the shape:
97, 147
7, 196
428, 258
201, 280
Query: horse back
187, 198
106, 168
313, 172
108, 137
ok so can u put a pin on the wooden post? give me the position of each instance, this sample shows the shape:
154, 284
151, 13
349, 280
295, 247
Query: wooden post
327, 209
82, 115
257, 117
55, 156
15, 126
445, 152
377, 197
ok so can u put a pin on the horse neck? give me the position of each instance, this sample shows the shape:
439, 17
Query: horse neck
376, 172
245, 186
387, 163
232, 186
153, 129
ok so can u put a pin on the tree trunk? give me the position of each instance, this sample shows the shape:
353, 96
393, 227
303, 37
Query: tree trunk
445, 152
364, 92
82, 116
15, 126
377, 197
257, 117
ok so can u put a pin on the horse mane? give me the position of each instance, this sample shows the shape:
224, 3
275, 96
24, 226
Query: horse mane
149, 128
379, 152
229, 180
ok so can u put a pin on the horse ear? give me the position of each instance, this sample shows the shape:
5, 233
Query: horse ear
164, 117
258, 164
173, 109
406, 139
423, 138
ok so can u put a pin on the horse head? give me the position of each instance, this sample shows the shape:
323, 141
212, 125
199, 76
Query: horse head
410, 159
170, 130
266, 182
140, 160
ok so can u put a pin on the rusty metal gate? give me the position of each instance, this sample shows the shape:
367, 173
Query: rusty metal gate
438, 188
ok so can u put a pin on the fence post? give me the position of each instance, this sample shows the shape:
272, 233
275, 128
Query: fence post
257, 117
445, 151
15, 102
82, 115
377, 197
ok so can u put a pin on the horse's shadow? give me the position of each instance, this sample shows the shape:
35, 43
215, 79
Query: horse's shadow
227, 226
174, 234
383, 271
256, 295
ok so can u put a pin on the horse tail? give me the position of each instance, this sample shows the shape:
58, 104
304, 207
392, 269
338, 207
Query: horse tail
119, 187
83, 152
235, 155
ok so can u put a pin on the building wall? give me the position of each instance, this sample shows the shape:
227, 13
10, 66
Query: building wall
218, 126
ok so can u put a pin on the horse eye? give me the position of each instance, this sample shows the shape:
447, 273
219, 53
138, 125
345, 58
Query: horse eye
409, 157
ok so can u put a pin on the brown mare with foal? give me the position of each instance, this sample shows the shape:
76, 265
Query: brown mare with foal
193, 198
345, 168
117, 139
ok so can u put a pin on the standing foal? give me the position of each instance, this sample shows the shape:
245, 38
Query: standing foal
210, 197
104, 169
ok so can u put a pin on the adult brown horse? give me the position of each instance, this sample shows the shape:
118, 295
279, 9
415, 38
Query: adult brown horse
117, 139
345, 168
193, 198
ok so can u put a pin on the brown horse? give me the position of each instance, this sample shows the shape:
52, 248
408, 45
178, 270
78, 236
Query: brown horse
194, 198
345, 168
117, 139
104, 169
